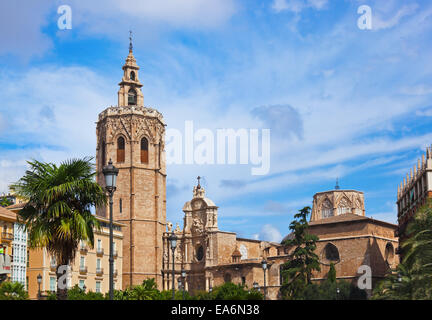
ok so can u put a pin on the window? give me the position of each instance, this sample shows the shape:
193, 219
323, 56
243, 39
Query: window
132, 75
227, 277
144, 150
327, 209
99, 244
132, 97
389, 253
52, 284
121, 205
331, 253
98, 286
82, 262
200, 253
103, 153
98, 264
243, 280
120, 149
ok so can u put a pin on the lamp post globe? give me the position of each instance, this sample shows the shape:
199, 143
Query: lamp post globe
110, 172
264, 267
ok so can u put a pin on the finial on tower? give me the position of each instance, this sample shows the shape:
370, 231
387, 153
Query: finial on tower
199, 186
130, 41
337, 184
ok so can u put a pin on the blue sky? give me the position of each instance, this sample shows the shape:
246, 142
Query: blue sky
339, 101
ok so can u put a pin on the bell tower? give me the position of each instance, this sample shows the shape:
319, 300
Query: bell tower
133, 136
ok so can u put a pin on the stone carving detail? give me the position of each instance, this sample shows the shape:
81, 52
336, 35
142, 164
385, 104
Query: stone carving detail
177, 229
344, 203
244, 252
197, 226
169, 226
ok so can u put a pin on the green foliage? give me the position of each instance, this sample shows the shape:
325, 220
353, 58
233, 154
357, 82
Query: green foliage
5, 202
76, 293
12, 291
413, 277
231, 291
146, 291
297, 272
57, 215
332, 273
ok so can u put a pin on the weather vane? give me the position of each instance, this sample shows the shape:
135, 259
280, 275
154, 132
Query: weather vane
130, 40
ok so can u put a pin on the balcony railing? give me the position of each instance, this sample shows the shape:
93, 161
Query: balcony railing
53, 266
100, 251
83, 269
99, 271
83, 249
7, 236
115, 253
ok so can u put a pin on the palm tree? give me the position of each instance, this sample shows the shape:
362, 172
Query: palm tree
58, 212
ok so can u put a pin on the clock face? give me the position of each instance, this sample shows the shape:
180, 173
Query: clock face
243, 251
200, 253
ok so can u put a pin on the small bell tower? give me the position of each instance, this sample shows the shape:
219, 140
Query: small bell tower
130, 93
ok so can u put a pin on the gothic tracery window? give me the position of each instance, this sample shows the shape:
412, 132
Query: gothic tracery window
132, 97
120, 149
144, 150
344, 206
327, 209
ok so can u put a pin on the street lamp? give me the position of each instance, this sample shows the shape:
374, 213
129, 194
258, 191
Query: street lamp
210, 289
183, 275
264, 266
337, 293
173, 242
110, 172
39, 281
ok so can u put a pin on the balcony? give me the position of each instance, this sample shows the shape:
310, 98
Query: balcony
53, 266
7, 236
99, 271
83, 270
83, 249
99, 251
115, 253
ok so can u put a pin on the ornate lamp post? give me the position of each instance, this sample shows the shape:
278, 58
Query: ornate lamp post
173, 242
183, 275
110, 172
337, 293
264, 266
39, 281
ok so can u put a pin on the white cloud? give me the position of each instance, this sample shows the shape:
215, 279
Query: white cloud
297, 6
379, 22
269, 233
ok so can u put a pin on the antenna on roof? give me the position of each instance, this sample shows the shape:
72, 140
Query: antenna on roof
337, 184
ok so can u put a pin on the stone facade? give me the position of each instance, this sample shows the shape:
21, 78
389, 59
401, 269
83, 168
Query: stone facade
413, 192
133, 136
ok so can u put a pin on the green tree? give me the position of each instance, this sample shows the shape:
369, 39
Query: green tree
5, 202
297, 272
331, 277
412, 278
12, 291
58, 212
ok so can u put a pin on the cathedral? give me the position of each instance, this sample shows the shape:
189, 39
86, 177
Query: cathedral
133, 136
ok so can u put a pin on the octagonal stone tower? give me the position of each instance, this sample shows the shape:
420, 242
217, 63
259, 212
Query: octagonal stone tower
133, 136
337, 202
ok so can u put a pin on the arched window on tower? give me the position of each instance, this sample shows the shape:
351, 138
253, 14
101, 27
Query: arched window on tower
103, 160
132, 97
132, 75
120, 149
144, 150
